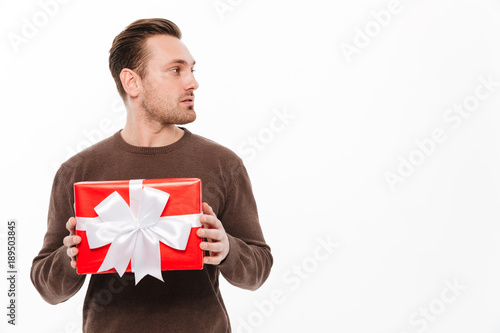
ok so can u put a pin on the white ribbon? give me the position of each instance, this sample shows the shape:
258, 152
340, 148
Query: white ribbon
135, 232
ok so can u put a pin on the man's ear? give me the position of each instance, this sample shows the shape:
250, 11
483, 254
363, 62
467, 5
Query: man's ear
131, 82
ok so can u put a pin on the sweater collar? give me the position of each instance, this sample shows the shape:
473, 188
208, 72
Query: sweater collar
121, 144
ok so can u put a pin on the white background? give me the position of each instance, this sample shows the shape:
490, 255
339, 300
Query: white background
320, 178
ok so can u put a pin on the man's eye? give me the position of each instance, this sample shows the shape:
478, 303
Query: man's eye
175, 70
193, 70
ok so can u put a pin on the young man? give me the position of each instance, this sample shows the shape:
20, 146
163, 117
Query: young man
153, 71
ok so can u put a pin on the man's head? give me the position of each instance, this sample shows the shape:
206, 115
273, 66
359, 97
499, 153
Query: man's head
153, 70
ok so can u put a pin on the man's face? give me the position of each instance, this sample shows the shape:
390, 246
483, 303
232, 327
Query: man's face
169, 84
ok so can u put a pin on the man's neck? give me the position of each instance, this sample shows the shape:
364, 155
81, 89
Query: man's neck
144, 135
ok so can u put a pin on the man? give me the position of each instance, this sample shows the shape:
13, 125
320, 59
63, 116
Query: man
153, 71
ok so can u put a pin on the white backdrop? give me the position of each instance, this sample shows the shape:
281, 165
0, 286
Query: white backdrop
369, 130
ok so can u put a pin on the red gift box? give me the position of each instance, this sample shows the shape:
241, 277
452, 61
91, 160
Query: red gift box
122, 229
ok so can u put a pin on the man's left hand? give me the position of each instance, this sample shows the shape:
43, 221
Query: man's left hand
217, 242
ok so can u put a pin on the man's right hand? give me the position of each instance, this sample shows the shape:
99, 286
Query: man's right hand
71, 241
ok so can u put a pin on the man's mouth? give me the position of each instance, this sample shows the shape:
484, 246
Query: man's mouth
188, 100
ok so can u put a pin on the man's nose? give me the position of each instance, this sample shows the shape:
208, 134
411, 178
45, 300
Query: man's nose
191, 83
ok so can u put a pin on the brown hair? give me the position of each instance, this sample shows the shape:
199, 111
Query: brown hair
129, 51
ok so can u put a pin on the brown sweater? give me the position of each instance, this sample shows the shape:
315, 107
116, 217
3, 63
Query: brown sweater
188, 301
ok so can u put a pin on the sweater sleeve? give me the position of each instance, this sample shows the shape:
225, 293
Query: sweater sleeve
249, 260
51, 272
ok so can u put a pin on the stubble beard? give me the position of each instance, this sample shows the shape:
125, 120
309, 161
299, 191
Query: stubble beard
167, 110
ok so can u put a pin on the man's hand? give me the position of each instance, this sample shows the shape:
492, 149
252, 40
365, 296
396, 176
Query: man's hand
71, 241
217, 242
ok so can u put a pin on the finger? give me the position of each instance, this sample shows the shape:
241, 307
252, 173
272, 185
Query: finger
212, 247
73, 263
212, 260
214, 234
71, 225
72, 252
210, 220
71, 240
207, 209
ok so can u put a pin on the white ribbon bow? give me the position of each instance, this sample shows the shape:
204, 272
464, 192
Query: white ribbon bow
135, 232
